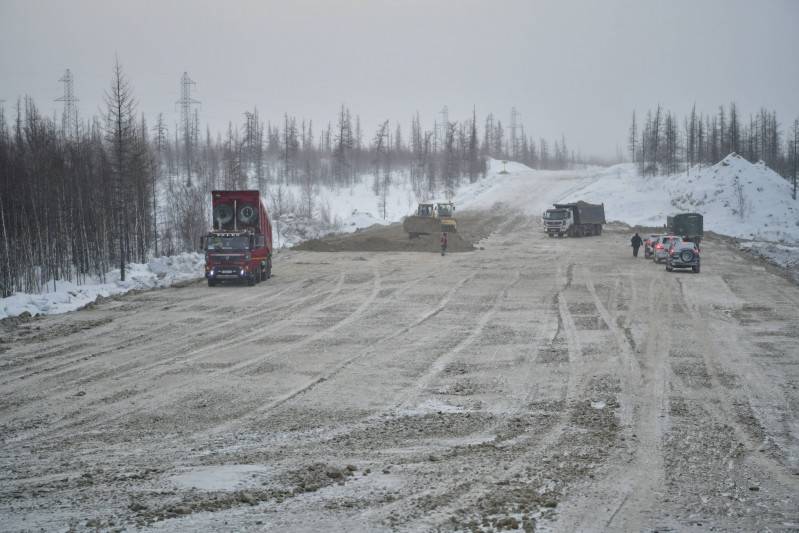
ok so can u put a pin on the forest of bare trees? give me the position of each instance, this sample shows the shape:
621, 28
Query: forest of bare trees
660, 144
81, 201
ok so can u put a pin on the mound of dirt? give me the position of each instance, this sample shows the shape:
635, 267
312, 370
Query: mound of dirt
472, 227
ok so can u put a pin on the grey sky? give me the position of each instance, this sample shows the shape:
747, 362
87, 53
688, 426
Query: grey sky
577, 68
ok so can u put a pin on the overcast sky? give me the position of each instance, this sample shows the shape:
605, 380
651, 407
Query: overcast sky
577, 68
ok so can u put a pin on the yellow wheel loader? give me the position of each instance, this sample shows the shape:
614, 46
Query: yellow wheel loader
430, 218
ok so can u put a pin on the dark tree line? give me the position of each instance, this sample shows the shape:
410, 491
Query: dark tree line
660, 145
74, 205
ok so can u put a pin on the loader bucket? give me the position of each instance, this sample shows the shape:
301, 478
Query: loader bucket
449, 225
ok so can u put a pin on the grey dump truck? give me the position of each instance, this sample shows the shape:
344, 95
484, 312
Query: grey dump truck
689, 226
579, 219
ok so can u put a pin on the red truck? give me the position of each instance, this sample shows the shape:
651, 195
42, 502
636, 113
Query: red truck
239, 245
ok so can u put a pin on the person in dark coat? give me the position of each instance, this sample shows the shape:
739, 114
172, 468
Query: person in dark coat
443, 243
636, 243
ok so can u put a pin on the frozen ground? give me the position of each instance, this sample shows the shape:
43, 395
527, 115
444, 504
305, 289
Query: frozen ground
535, 383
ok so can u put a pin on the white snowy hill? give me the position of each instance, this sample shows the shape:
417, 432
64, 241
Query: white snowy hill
736, 197
521, 187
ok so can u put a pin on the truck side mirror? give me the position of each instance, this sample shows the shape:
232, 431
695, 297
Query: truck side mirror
252, 242
202, 243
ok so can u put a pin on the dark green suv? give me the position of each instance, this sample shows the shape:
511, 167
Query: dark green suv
683, 254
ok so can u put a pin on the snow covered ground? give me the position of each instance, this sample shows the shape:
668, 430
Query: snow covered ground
69, 296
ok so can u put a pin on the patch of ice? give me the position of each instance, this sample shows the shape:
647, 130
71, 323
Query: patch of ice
220, 477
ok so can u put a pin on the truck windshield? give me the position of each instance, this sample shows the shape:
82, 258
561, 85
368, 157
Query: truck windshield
444, 210
216, 243
556, 215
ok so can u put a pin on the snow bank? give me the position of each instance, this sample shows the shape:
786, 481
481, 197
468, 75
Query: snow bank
736, 198
69, 296
346, 209
781, 255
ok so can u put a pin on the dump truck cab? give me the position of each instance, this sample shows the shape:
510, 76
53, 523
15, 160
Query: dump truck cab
426, 210
446, 213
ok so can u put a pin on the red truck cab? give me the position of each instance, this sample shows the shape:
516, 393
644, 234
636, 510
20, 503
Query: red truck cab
239, 245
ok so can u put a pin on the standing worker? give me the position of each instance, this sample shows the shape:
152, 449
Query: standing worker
636, 243
443, 242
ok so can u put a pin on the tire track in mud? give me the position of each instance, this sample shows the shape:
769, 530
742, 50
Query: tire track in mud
369, 350
441, 306
167, 347
135, 372
721, 409
134, 375
629, 364
441, 362
648, 477
631, 486
475, 482
152, 336
340, 367
167, 399
146, 296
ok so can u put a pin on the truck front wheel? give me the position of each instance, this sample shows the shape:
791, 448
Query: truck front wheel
211, 283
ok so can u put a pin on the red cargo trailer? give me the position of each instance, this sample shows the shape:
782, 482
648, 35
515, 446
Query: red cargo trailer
239, 245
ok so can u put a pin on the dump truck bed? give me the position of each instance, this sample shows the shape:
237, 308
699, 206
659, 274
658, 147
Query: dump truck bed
585, 213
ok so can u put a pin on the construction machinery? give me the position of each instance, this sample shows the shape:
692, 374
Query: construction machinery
446, 214
579, 219
431, 218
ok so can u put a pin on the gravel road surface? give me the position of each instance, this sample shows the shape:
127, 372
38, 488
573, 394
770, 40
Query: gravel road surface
532, 384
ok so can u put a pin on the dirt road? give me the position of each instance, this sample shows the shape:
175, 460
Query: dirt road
536, 384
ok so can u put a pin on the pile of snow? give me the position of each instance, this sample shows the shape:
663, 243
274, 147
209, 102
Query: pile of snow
781, 255
68, 296
736, 198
